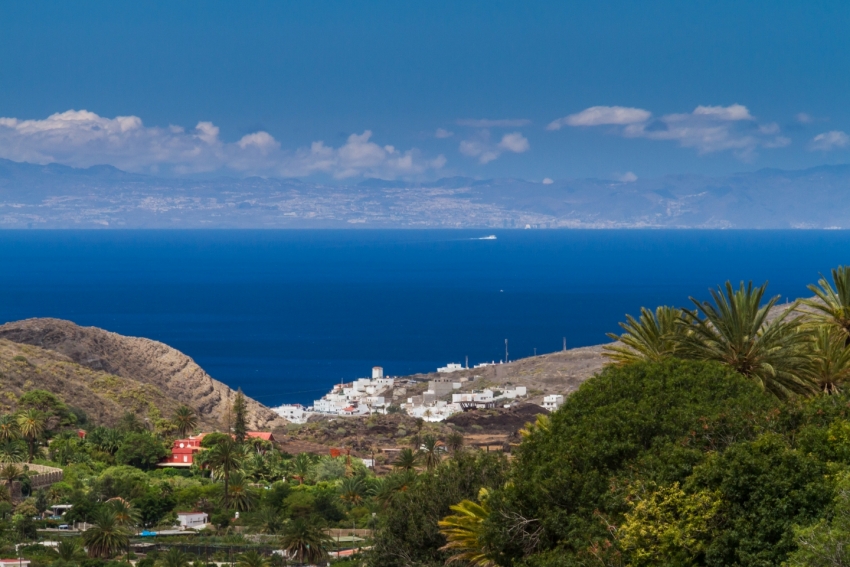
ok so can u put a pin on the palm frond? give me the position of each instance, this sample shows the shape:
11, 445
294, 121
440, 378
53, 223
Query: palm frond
734, 330
652, 337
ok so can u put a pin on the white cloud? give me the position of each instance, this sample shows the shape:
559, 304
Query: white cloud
601, 115
731, 112
82, 138
263, 141
514, 142
443, 133
486, 123
829, 141
482, 148
627, 177
804, 118
707, 129
548, 181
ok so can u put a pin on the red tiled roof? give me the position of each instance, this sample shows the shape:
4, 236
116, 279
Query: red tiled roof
265, 435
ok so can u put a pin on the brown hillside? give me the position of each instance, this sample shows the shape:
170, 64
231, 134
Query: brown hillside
148, 363
103, 396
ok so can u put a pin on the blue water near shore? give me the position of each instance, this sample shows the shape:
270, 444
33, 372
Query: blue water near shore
286, 314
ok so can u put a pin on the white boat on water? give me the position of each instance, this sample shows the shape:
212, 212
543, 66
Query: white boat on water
491, 237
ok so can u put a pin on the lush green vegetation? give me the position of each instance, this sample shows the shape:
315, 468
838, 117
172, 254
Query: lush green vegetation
717, 436
258, 498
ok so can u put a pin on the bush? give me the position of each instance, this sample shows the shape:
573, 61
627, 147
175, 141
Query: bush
141, 450
649, 422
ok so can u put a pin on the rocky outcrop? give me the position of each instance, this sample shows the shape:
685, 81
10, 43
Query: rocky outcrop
142, 360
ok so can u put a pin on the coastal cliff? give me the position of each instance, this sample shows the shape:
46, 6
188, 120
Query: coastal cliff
106, 373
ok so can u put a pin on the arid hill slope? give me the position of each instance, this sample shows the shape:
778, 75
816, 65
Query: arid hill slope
559, 372
146, 362
103, 396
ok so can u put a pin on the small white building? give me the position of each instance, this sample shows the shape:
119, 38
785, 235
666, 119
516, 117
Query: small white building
192, 519
512, 393
553, 401
377, 372
450, 367
294, 413
14, 562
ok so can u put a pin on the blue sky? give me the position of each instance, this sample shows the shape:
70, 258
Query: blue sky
342, 90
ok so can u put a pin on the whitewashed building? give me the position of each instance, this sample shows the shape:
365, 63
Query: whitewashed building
294, 413
553, 401
192, 519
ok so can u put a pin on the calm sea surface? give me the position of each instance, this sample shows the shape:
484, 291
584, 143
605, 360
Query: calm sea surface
286, 314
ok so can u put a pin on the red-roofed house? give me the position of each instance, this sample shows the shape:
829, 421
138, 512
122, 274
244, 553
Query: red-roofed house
182, 453
264, 435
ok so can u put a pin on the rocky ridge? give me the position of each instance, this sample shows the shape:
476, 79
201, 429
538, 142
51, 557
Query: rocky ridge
160, 368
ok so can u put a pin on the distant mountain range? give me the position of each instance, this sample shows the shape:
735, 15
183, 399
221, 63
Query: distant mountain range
57, 196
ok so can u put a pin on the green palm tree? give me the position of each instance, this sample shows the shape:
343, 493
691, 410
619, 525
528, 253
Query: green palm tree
8, 429
240, 496
454, 442
352, 490
185, 420
173, 558
10, 473
69, 550
301, 467
31, 423
735, 331
828, 359
224, 458
257, 467
653, 337
305, 541
432, 451
832, 304
267, 520
252, 559
12, 452
464, 532
107, 536
125, 513
406, 460
388, 489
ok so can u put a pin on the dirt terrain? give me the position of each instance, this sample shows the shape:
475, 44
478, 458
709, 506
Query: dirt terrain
559, 372
102, 396
147, 362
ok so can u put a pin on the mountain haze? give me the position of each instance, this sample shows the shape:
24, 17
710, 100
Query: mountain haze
57, 196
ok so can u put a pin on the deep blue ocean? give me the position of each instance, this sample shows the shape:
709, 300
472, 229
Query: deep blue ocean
286, 314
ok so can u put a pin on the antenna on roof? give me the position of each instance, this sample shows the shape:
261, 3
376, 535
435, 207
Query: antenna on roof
506, 351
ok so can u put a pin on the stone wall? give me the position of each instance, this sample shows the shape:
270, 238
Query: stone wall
40, 477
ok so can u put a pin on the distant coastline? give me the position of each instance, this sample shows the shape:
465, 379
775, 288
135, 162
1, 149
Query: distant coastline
57, 196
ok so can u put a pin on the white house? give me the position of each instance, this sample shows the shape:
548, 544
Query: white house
553, 401
482, 396
512, 393
192, 519
450, 367
293, 413
14, 562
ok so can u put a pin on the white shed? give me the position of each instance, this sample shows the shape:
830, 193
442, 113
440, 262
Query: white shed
192, 519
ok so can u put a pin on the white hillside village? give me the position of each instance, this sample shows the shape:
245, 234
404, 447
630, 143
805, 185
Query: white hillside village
366, 396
